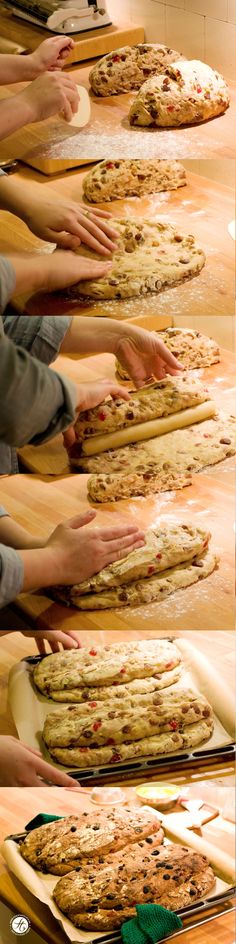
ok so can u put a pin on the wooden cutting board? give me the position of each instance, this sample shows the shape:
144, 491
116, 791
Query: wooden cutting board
109, 133
203, 208
39, 505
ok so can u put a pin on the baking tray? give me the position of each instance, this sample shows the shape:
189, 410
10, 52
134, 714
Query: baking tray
41, 886
29, 709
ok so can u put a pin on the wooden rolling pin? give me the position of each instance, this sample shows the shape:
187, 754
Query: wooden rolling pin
148, 430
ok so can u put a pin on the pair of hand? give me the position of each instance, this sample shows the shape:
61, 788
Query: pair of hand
56, 638
74, 552
68, 224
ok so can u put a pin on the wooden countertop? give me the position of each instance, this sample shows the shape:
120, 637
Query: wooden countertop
40, 504
110, 134
51, 458
203, 208
87, 44
60, 801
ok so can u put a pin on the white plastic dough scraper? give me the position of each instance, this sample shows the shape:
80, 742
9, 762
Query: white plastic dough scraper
82, 115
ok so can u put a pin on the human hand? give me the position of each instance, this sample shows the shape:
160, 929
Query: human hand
59, 270
90, 395
49, 94
77, 552
68, 639
21, 766
68, 224
51, 54
144, 355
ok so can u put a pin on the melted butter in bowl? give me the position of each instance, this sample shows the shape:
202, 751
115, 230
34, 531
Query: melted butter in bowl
159, 795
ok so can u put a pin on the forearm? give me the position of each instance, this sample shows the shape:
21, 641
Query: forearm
14, 114
16, 69
13, 535
39, 568
93, 335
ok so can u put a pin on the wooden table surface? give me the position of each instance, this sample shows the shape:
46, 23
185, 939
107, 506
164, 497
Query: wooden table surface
51, 458
203, 208
61, 802
40, 504
110, 134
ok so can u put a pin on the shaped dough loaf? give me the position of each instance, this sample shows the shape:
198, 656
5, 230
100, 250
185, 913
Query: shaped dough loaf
185, 93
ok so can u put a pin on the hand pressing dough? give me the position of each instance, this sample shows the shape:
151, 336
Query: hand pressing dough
185, 93
82, 115
148, 403
150, 257
190, 347
105, 665
166, 743
162, 463
128, 67
143, 431
82, 726
164, 547
134, 693
114, 180
143, 591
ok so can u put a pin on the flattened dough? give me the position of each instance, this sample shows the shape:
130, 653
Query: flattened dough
134, 693
128, 67
114, 180
143, 591
150, 257
185, 93
191, 348
166, 743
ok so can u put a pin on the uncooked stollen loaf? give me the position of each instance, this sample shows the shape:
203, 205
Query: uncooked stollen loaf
60, 846
173, 877
155, 588
191, 348
161, 398
150, 256
164, 463
84, 725
105, 665
167, 743
114, 180
187, 92
133, 693
128, 67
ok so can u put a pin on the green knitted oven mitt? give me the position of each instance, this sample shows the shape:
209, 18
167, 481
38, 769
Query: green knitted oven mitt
153, 923
41, 819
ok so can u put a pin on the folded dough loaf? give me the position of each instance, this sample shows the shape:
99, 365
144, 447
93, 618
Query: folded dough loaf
173, 877
143, 591
167, 743
105, 665
164, 547
136, 692
114, 180
150, 257
128, 67
186, 92
159, 464
60, 846
191, 348
161, 398
84, 725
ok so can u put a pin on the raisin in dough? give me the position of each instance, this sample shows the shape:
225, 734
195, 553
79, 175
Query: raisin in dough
150, 256
84, 725
167, 743
163, 548
128, 67
105, 665
114, 180
160, 399
134, 693
150, 589
185, 93
59, 846
159, 464
190, 347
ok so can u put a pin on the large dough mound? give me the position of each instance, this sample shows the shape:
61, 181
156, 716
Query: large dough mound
114, 180
173, 876
128, 67
191, 348
185, 93
150, 256
118, 663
